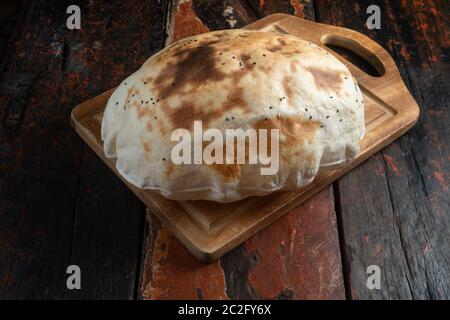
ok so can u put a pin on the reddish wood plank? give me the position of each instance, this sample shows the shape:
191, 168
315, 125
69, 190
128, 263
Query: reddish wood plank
183, 22
297, 257
171, 272
291, 259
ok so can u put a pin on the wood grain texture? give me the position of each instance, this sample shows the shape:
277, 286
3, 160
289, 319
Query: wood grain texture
60, 204
401, 222
299, 253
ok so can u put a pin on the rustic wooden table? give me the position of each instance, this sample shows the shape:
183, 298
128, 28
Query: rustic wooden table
60, 205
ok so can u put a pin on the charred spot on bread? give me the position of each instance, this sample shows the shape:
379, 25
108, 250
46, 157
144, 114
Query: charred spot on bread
185, 71
326, 80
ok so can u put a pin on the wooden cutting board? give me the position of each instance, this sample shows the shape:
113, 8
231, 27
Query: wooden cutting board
210, 229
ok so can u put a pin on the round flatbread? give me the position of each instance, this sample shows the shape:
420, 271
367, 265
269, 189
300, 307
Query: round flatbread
233, 79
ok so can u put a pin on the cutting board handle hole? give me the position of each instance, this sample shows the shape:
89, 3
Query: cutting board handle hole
354, 52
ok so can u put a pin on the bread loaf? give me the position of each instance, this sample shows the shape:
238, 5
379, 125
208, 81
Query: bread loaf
233, 79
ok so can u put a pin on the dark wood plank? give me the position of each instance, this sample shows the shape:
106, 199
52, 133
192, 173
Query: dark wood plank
299, 8
297, 257
220, 14
9, 12
395, 208
59, 204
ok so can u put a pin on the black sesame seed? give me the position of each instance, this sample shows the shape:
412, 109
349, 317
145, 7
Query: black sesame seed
356, 100
310, 117
163, 159
328, 117
223, 63
146, 102
145, 82
265, 119
232, 118
234, 57
117, 103
133, 95
254, 62
151, 99
264, 55
125, 83
321, 126
156, 118
173, 84
340, 120
331, 97
306, 110
337, 111
226, 119
271, 107
142, 101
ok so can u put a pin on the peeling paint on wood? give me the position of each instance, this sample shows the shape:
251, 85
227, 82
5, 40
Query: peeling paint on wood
299, 8
183, 22
172, 272
299, 254
404, 211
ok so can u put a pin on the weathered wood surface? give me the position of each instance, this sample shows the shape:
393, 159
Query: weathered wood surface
295, 258
60, 205
399, 218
